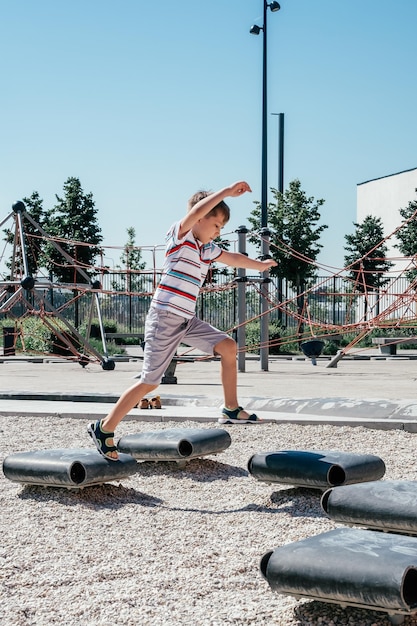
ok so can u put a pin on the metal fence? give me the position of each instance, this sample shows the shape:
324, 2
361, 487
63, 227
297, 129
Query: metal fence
330, 301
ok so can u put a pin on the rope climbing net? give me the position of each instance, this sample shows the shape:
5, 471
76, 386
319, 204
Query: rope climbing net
25, 297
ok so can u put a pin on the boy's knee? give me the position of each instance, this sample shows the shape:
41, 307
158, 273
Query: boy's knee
227, 347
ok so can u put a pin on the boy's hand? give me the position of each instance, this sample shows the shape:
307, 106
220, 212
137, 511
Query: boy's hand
268, 263
239, 188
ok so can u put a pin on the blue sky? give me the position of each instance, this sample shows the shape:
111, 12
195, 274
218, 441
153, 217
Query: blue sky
146, 102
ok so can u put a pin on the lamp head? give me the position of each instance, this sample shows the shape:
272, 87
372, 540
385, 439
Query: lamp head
274, 6
255, 29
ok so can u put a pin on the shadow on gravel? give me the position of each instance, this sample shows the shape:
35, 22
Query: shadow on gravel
95, 497
315, 613
247, 508
200, 470
297, 501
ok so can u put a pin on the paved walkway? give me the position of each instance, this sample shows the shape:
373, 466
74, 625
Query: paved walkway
362, 390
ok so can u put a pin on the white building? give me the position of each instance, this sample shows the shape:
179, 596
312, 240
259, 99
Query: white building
384, 197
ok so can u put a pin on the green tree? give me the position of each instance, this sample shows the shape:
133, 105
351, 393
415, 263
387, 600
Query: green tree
366, 255
130, 264
407, 235
292, 220
73, 223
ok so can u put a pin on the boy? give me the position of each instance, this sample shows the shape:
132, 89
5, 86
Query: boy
171, 318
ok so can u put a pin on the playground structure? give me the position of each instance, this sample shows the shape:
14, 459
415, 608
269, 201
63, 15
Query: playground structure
309, 317
79, 468
21, 283
361, 567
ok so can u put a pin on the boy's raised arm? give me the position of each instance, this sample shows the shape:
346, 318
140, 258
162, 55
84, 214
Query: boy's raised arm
236, 259
205, 205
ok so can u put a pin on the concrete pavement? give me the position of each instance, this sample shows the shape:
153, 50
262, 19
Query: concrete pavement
366, 389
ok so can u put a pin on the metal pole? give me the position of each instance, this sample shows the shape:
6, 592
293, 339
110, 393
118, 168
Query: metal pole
241, 302
264, 325
280, 186
281, 153
264, 175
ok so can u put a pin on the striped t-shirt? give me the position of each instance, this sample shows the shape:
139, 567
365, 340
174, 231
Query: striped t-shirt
186, 265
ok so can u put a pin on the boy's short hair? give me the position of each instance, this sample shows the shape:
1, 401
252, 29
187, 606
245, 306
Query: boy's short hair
221, 207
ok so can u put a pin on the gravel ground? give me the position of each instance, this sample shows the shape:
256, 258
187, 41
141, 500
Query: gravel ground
169, 546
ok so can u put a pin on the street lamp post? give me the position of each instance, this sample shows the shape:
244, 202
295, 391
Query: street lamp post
280, 186
264, 334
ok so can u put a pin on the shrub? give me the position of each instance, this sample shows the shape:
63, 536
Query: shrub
36, 338
253, 330
110, 326
331, 348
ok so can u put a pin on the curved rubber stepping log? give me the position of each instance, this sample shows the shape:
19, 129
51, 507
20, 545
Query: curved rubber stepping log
175, 444
317, 469
347, 566
389, 505
66, 468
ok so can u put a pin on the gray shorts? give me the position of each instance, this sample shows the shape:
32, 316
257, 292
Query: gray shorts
164, 331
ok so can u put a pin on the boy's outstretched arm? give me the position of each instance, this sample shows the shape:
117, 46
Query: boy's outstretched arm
236, 259
205, 205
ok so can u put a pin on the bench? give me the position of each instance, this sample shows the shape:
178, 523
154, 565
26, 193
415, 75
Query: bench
388, 345
169, 377
115, 336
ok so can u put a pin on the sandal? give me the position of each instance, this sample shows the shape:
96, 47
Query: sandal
231, 416
100, 438
155, 403
144, 404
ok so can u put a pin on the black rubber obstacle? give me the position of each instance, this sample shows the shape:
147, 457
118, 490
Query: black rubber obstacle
312, 349
66, 468
389, 505
362, 568
316, 469
176, 444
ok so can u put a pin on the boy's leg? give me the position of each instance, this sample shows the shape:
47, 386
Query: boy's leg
203, 336
129, 398
162, 334
102, 432
227, 350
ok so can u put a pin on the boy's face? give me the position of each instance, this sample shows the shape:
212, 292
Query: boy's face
209, 227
